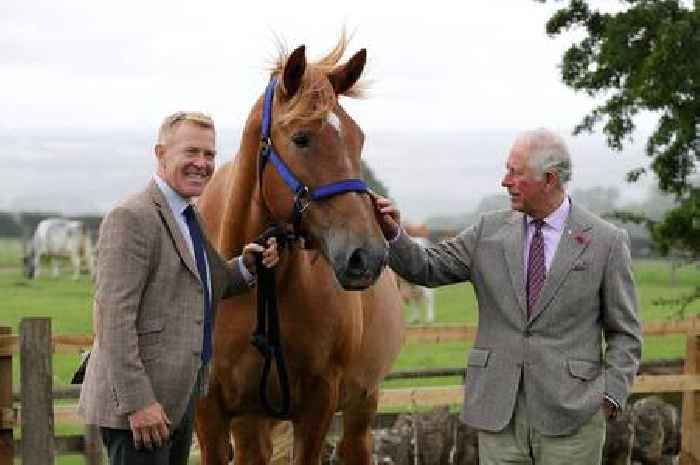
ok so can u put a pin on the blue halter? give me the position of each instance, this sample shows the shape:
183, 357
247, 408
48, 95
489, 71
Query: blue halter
303, 195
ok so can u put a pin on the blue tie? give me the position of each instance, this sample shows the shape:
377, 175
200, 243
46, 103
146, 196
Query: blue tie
199, 254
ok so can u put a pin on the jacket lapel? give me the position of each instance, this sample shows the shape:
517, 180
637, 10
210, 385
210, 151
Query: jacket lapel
574, 240
513, 251
173, 229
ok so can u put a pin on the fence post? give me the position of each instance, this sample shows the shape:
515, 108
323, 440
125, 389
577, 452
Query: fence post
36, 378
7, 446
690, 433
93, 445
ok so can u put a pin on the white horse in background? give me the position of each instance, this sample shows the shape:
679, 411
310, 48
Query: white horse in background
59, 239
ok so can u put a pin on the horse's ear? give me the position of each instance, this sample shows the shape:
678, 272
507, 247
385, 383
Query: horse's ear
294, 71
345, 76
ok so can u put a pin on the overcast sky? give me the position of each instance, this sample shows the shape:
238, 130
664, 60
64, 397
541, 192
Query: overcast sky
85, 85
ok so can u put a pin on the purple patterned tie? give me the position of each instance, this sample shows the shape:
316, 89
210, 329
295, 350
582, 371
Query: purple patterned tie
535, 267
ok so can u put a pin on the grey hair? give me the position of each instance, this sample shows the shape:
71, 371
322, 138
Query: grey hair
548, 152
167, 127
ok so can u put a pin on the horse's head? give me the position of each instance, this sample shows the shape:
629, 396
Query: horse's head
321, 144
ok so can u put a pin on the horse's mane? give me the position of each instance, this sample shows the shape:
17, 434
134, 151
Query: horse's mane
315, 97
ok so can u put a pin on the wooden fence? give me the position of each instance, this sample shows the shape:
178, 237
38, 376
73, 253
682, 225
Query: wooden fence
39, 445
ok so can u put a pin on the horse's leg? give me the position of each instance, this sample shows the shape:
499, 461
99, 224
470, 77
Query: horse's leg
37, 265
212, 425
313, 421
430, 303
252, 438
55, 265
355, 448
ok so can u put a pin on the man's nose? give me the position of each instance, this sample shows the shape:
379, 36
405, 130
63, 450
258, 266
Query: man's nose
201, 161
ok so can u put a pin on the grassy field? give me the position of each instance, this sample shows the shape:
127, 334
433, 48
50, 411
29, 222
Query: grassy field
69, 304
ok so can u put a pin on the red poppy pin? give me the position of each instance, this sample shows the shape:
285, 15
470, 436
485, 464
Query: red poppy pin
582, 238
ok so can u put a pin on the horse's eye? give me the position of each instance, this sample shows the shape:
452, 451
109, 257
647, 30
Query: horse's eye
301, 139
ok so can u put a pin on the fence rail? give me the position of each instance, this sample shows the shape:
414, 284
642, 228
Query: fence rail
75, 343
39, 445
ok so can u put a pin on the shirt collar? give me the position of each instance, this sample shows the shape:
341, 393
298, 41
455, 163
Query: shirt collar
557, 218
176, 202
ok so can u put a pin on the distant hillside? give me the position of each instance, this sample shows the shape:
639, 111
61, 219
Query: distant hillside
22, 225
600, 200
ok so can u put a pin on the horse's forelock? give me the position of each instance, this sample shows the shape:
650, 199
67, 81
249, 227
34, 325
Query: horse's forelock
315, 97
312, 102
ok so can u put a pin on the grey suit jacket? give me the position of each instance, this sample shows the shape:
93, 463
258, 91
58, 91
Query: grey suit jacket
148, 313
556, 356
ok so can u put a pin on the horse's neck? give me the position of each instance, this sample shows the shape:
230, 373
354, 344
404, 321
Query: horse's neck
232, 204
243, 216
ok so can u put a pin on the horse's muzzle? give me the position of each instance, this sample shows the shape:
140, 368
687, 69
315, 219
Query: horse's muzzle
360, 268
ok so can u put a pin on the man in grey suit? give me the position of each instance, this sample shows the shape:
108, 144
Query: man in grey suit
157, 284
558, 343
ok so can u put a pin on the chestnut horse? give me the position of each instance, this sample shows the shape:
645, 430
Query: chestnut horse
340, 311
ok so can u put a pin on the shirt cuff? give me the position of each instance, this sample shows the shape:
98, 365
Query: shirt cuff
248, 277
396, 236
612, 401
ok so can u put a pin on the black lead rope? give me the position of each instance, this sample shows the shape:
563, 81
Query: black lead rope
266, 337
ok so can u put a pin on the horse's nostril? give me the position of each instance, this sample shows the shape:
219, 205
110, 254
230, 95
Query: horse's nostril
358, 263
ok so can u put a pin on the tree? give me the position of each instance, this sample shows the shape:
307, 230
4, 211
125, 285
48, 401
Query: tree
644, 58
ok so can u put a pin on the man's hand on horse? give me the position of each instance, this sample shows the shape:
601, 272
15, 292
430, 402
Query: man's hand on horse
270, 256
149, 426
388, 216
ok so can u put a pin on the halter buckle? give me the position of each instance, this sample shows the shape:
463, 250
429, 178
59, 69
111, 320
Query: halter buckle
302, 199
265, 144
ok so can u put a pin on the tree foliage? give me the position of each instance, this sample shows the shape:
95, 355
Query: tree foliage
680, 229
644, 58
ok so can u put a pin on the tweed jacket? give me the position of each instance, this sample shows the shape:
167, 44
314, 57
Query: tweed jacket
556, 356
148, 313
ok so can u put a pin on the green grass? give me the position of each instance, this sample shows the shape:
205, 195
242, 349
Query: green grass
456, 304
10, 253
63, 459
69, 304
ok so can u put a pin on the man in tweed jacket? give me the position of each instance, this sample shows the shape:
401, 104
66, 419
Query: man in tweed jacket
558, 343
153, 305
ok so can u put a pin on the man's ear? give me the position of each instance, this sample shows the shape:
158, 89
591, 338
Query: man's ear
551, 179
159, 151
